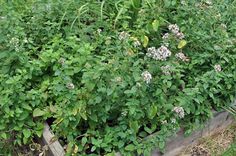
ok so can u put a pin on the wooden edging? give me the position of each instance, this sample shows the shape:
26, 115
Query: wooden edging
54, 147
174, 145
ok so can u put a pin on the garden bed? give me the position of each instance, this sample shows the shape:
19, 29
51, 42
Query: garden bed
174, 145
110, 74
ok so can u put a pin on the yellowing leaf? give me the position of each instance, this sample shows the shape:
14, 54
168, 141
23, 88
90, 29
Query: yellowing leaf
145, 41
76, 149
181, 44
155, 25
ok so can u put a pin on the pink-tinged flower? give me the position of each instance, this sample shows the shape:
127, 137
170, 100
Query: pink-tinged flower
180, 35
181, 57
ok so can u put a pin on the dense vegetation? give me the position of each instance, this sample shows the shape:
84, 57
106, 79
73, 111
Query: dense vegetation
110, 73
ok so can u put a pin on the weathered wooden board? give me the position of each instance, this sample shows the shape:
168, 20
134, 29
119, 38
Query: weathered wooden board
176, 144
54, 147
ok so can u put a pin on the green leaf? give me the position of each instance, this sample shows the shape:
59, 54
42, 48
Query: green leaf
83, 115
26, 133
2, 127
4, 135
134, 125
130, 147
84, 141
161, 144
181, 44
152, 112
26, 106
37, 112
93, 148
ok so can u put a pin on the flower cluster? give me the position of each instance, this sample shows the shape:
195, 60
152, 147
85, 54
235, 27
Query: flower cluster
146, 76
70, 86
159, 54
62, 61
15, 42
166, 69
164, 122
173, 120
179, 111
118, 79
217, 68
165, 36
123, 35
174, 28
182, 57
124, 113
136, 43
99, 31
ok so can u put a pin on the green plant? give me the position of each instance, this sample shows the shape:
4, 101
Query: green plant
107, 73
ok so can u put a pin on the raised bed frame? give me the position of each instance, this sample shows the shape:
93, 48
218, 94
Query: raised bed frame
174, 145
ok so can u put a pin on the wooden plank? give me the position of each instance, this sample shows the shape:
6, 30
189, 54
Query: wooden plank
55, 148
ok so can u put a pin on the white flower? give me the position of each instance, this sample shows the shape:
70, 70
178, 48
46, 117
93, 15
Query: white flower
124, 113
164, 52
180, 35
165, 36
2, 17
99, 31
14, 41
217, 68
158, 54
146, 76
181, 56
25, 40
166, 69
183, 2
173, 28
70, 86
179, 111
209, 2
136, 43
118, 79
62, 61
164, 122
123, 35
173, 120
223, 26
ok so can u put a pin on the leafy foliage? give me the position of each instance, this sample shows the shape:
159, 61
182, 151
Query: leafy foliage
80, 63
